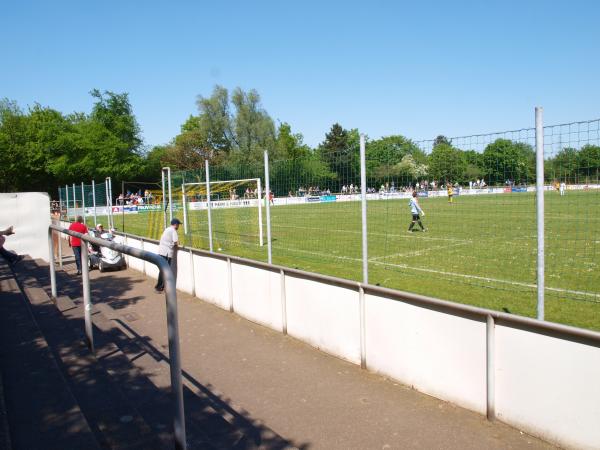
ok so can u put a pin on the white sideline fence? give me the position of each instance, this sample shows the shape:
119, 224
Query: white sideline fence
540, 377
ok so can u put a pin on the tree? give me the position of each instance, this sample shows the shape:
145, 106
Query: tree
253, 128
214, 122
589, 162
394, 157
441, 140
115, 112
447, 163
504, 160
564, 166
339, 152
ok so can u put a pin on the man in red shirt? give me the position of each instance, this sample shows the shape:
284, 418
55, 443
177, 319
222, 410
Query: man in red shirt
75, 242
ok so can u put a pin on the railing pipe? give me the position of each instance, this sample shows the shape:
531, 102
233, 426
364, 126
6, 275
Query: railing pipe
172, 316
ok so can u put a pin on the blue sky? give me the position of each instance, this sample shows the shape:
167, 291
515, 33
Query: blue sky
413, 68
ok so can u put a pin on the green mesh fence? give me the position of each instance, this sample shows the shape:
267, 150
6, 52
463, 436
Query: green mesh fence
474, 240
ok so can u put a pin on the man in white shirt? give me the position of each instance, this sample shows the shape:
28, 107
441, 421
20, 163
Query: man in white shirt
166, 248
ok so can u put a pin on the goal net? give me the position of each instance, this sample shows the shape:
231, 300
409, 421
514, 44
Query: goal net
235, 210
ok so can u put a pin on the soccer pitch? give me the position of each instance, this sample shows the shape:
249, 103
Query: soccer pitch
478, 250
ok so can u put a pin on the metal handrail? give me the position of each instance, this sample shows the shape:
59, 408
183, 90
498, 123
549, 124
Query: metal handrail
172, 318
513, 320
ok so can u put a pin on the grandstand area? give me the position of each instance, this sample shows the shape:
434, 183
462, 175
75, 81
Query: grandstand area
479, 250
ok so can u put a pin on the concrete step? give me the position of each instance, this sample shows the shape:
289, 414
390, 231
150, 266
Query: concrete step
40, 411
115, 422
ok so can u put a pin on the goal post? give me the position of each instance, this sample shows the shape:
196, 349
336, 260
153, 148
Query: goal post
194, 196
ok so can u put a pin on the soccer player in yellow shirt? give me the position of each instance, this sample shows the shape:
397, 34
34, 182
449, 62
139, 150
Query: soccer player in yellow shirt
450, 192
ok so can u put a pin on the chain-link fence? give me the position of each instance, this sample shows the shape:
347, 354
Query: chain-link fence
452, 217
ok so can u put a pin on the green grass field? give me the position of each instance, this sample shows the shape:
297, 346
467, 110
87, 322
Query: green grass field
479, 250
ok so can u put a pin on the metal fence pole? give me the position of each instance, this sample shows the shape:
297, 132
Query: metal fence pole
74, 203
123, 207
490, 368
183, 203
164, 198
260, 218
87, 300
94, 202
67, 194
83, 201
268, 204
210, 235
363, 194
52, 268
111, 219
539, 168
170, 195
174, 356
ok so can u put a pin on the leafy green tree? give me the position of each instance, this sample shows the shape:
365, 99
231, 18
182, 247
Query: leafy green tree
504, 160
441, 140
589, 163
116, 114
564, 166
387, 157
447, 163
254, 129
340, 152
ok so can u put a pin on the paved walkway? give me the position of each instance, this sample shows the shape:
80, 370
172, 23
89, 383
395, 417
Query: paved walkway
283, 386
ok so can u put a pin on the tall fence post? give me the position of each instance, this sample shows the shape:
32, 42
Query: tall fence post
170, 195
74, 203
210, 234
60, 204
268, 208
94, 202
365, 253
490, 369
174, 356
363, 196
87, 298
164, 198
111, 220
539, 169
83, 201
67, 195
52, 268
260, 217
183, 204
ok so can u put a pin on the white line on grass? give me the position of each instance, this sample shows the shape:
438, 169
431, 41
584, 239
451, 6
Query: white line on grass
419, 252
454, 274
424, 238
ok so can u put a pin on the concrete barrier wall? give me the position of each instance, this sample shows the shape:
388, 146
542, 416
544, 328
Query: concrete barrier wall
441, 354
548, 386
257, 295
325, 316
546, 383
29, 213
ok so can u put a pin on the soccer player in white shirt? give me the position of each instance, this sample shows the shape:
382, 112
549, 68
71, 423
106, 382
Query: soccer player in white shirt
415, 209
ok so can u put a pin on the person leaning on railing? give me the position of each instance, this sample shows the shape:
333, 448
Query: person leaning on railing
166, 248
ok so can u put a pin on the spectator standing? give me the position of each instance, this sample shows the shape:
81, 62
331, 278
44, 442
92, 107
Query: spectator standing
166, 248
75, 242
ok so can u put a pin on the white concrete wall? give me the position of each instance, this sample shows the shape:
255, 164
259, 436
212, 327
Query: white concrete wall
325, 316
437, 353
257, 295
212, 280
29, 213
549, 387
